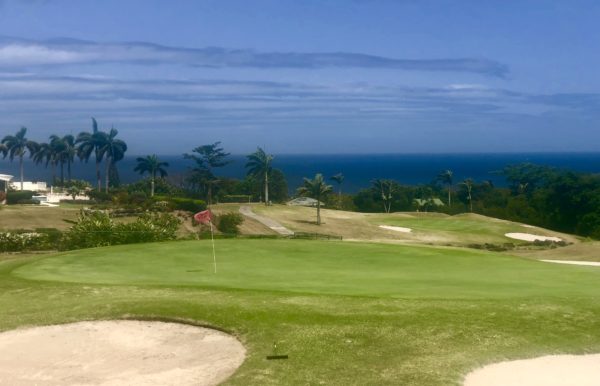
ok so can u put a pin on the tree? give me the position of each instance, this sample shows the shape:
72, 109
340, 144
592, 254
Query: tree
317, 189
445, 178
207, 158
44, 153
259, 166
89, 143
114, 150
386, 188
468, 184
151, 165
339, 179
17, 146
65, 153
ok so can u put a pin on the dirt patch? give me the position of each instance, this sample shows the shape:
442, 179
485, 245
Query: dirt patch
117, 353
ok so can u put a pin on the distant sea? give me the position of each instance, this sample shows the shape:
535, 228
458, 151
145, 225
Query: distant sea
359, 170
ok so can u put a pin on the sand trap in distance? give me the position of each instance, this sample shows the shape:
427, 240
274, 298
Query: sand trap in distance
574, 262
397, 229
531, 237
552, 370
118, 353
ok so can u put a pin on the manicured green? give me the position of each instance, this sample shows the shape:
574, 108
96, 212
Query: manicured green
319, 267
346, 313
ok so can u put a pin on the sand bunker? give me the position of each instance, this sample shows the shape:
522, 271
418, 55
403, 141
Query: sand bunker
397, 229
554, 370
574, 262
118, 353
531, 237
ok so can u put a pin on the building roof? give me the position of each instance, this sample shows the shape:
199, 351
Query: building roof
6, 177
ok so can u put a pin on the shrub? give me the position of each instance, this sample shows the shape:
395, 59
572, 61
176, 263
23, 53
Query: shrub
99, 196
27, 240
14, 197
228, 223
185, 204
96, 229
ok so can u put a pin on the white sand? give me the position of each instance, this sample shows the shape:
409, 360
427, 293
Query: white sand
574, 262
397, 229
118, 353
531, 237
553, 370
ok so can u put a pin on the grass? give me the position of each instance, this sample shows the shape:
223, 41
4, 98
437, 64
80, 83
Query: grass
37, 216
430, 228
346, 313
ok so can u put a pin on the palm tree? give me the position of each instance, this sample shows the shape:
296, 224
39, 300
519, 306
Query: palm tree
209, 157
89, 143
151, 165
114, 150
338, 178
468, 183
17, 145
317, 189
45, 154
67, 151
446, 178
259, 165
58, 148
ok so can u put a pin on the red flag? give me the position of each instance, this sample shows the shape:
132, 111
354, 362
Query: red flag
204, 217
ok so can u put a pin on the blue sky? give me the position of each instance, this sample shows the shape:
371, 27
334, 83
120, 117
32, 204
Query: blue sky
306, 76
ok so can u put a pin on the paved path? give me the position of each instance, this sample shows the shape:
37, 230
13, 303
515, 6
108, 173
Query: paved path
277, 227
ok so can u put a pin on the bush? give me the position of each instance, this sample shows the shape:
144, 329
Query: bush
96, 229
28, 202
14, 197
181, 203
99, 196
228, 223
27, 240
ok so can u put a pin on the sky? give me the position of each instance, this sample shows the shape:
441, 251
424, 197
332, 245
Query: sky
306, 76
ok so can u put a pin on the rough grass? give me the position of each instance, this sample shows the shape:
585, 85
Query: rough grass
37, 216
345, 313
584, 251
430, 228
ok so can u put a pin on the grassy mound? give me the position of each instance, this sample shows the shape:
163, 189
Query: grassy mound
318, 267
429, 228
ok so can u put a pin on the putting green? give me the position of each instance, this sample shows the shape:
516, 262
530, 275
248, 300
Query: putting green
321, 267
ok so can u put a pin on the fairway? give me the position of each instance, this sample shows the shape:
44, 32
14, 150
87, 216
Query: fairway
346, 313
319, 267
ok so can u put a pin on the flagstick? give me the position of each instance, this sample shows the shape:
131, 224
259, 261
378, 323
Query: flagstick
212, 237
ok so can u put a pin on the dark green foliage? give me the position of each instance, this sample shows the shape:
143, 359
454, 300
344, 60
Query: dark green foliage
182, 203
99, 196
97, 229
15, 197
229, 223
401, 198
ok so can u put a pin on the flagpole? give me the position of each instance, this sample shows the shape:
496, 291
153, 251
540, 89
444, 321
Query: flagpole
212, 237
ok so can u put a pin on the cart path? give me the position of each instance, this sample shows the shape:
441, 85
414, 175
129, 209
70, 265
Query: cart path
268, 222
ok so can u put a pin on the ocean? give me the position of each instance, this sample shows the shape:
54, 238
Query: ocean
359, 170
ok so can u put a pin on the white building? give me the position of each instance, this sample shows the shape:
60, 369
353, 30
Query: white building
34, 186
4, 182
